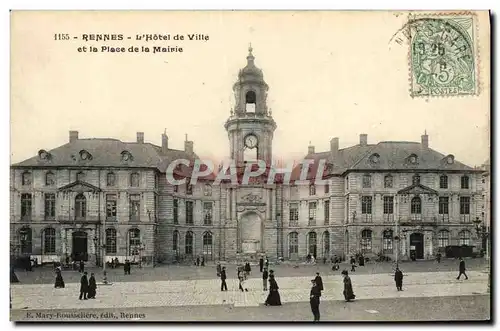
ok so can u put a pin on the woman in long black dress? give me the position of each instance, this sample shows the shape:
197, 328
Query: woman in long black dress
92, 287
348, 292
273, 299
59, 280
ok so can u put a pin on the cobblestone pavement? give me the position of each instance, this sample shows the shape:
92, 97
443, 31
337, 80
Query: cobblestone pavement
207, 292
475, 307
45, 275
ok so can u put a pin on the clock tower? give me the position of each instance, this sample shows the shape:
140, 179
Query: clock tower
250, 126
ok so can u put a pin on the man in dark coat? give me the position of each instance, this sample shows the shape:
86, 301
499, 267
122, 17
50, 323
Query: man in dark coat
348, 292
319, 282
92, 287
202, 261
314, 300
82, 266
398, 278
461, 269
261, 264
197, 261
223, 285
84, 286
265, 276
59, 280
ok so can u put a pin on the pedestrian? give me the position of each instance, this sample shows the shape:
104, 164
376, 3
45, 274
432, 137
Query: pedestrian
314, 300
398, 278
319, 281
218, 268
84, 286
247, 269
361, 260
261, 264
223, 285
461, 269
266, 263
82, 266
241, 279
197, 261
59, 280
265, 276
438, 257
348, 292
273, 299
202, 261
353, 265
92, 287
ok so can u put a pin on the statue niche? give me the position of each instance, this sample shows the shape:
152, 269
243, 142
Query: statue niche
251, 232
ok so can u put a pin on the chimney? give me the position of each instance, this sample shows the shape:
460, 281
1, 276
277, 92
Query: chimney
73, 136
140, 137
188, 146
334, 146
310, 149
425, 140
164, 142
363, 139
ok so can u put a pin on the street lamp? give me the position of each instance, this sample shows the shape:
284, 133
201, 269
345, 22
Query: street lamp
482, 232
96, 254
103, 246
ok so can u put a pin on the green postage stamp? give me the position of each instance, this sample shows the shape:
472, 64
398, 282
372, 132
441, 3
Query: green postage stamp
443, 59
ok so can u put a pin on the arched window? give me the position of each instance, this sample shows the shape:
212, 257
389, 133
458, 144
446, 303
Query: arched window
366, 241
388, 181
207, 190
26, 178
134, 241
293, 244
416, 208
49, 179
208, 245
464, 182
25, 240
312, 244
110, 179
80, 176
443, 181
250, 101
49, 241
326, 244
464, 238
134, 179
110, 241
80, 206
175, 242
188, 244
443, 238
387, 241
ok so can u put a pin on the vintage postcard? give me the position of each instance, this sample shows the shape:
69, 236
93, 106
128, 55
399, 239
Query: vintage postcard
250, 166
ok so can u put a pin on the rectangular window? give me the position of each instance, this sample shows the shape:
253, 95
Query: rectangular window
327, 211
388, 181
327, 188
207, 213
26, 206
189, 212
189, 188
464, 182
443, 205
135, 207
312, 189
111, 203
367, 181
465, 209
388, 205
312, 213
443, 182
50, 206
366, 208
294, 214
176, 211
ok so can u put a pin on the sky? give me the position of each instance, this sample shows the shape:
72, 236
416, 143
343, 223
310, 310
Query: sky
330, 74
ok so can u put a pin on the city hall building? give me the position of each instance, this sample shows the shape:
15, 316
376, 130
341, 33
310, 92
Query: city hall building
100, 199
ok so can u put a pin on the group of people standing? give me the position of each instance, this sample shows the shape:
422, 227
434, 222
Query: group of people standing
88, 287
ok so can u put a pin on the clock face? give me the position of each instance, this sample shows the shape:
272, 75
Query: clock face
250, 141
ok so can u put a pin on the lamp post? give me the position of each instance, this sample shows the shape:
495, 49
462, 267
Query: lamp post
99, 247
96, 254
483, 233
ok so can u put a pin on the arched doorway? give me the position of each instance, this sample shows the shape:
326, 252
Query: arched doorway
417, 245
250, 233
80, 242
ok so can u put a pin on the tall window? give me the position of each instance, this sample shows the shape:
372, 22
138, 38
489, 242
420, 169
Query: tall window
326, 208
465, 209
294, 214
49, 241
25, 237
134, 241
26, 206
134, 179
111, 202
135, 207
312, 240
444, 203
443, 181
26, 178
293, 243
50, 205
443, 238
80, 206
367, 181
416, 209
189, 212
312, 213
312, 189
110, 179
464, 182
80, 176
388, 181
366, 241
416, 179
176, 211
326, 244
110, 241
207, 244
189, 187
207, 213
207, 190
464, 238
50, 179
388, 205
387, 241
189, 243
366, 208
327, 188
175, 242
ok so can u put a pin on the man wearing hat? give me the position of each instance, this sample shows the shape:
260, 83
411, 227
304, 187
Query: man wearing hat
319, 281
348, 292
314, 299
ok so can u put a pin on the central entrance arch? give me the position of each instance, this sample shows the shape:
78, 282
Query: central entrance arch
417, 245
80, 244
250, 230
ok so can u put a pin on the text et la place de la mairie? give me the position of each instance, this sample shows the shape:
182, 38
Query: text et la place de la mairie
96, 199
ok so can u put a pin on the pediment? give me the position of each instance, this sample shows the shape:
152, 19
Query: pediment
417, 189
79, 186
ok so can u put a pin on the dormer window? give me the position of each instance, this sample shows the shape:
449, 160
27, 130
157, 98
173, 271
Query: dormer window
44, 155
126, 156
84, 155
375, 158
413, 159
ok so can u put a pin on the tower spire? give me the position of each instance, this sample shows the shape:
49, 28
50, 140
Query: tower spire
250, 57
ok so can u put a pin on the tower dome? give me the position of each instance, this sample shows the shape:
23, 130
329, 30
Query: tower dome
250, 72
